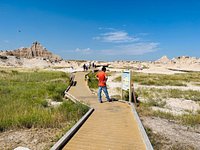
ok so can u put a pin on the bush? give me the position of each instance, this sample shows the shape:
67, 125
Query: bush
92, 80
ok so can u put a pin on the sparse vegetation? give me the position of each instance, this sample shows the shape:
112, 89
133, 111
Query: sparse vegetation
186, 119
59, 67
163, 80
24, 95
154, 93
158, 141
155, 96
196, 84
190, 119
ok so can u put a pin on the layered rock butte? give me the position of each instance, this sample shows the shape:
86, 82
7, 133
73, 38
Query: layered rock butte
36, 50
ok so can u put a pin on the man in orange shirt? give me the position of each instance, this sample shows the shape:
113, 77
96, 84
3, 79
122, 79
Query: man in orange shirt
101, 76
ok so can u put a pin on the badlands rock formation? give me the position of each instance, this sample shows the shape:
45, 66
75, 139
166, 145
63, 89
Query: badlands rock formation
35, 51
31, 57
164, 60
180, 63
179, 60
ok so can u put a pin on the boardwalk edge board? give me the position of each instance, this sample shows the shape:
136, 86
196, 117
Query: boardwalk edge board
63, 140
145, 138
142, 130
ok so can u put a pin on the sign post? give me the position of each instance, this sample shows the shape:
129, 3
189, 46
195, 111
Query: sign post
126, 83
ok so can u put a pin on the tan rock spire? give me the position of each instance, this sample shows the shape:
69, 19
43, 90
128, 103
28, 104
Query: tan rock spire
36, 50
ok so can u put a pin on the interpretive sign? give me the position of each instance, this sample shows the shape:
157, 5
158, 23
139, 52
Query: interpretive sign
126, 83
126, 80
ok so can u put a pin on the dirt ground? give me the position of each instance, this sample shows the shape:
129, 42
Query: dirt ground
34, 139
173, 134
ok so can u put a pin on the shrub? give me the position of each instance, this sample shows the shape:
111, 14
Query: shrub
92, 80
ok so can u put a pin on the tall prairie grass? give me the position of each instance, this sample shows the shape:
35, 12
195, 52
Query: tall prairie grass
24, 95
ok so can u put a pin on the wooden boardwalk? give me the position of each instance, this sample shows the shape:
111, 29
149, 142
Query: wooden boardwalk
111, 126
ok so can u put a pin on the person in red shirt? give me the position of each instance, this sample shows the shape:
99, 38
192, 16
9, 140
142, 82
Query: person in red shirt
102, 78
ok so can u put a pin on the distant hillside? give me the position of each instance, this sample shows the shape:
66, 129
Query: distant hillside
163, 59
179, 60
35, 51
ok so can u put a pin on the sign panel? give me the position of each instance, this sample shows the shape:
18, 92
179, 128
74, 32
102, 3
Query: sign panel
126, 79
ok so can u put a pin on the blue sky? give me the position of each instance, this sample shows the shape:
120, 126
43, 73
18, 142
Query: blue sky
103, 29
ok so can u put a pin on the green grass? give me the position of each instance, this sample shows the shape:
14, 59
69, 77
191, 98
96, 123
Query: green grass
190, 119
92, 80
154, 93
196, 84
185, 119
23, 101
59, 67
163, 80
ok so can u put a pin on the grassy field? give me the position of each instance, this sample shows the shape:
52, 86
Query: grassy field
24, 96
163, 80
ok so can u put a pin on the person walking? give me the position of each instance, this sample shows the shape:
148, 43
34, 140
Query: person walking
84, 67
102, 78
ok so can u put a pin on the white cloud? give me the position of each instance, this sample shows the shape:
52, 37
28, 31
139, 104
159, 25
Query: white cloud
139, 48
116, 37
85, 51
124, 44
111, 29
132, 49
126, 49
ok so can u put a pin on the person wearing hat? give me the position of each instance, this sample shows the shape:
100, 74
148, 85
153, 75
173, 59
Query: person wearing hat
102, 78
